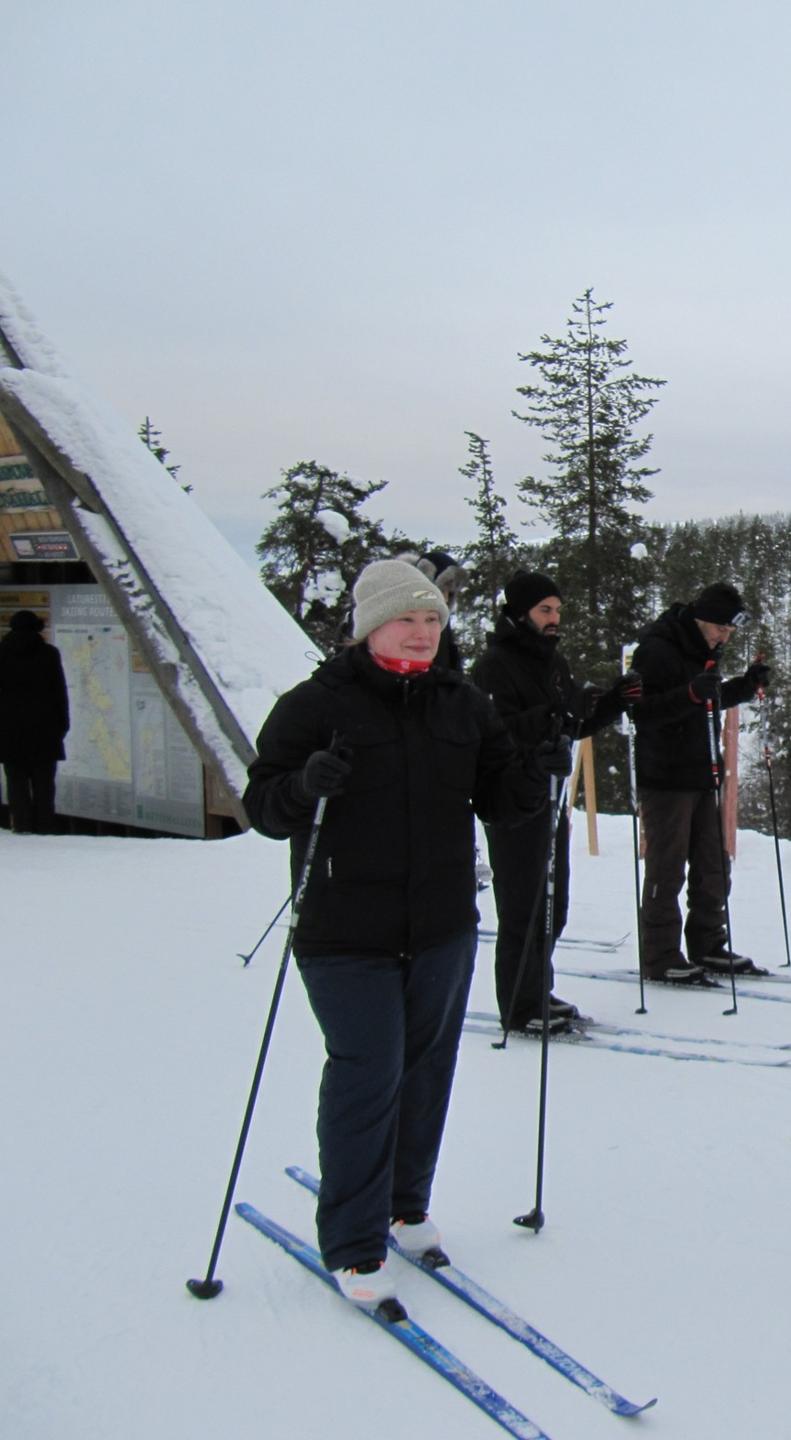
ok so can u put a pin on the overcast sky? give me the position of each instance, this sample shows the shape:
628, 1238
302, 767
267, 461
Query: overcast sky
325, 229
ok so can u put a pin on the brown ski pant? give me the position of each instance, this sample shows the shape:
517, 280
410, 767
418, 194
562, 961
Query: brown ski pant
682, 840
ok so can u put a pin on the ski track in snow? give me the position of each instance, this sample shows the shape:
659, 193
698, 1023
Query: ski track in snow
129, 1032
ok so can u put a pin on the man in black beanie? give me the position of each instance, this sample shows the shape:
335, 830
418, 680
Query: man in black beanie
531, 685
678, 656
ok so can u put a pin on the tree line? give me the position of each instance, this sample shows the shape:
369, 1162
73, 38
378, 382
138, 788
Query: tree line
616, 570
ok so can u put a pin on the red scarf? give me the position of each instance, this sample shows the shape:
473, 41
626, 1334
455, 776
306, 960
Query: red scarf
400, 667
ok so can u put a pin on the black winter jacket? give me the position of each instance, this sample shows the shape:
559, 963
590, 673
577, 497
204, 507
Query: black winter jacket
672, 745
394, 866
530, 683
34, 702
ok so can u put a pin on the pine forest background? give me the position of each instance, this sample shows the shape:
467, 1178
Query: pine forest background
616, 571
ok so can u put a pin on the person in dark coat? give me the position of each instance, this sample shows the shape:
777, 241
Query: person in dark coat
386, 934
34, 719
532, 687
677, 656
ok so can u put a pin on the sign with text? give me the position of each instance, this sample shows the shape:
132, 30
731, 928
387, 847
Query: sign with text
19, 488
43, 545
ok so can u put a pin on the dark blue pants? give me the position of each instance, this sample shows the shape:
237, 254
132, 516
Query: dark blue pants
391, 1028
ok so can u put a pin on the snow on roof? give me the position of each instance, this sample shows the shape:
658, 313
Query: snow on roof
248, 643
24, 334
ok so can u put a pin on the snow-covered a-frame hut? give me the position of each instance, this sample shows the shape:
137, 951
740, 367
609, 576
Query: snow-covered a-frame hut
176, 653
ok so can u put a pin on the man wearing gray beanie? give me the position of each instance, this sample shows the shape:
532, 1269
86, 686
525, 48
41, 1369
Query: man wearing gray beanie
405, 753
529, 681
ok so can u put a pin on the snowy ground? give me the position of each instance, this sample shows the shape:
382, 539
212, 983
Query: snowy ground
129, 1037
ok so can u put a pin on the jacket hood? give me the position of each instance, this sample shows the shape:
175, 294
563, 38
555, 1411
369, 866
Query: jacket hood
523, 637
677, 626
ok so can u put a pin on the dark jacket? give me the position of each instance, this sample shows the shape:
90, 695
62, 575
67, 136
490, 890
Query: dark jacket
672, 746
34, 702
448, 653
394, 868
531, 685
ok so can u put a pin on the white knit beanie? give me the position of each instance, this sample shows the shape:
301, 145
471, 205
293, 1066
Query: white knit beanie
386, 589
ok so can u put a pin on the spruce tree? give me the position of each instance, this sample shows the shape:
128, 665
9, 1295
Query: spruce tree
152, 439
316, 544
587, 407
492, 556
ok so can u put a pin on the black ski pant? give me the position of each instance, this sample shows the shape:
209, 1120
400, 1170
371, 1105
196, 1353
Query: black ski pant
31, 795
518, 856
682, 840
391, 1027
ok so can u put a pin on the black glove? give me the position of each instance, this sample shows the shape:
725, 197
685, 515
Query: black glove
705, 686
553, 757
758, 675
605, 705
325, 772
627, 690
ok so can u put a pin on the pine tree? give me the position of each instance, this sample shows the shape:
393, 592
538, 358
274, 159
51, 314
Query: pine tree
152, 439
492, 556
316, 544
587, 408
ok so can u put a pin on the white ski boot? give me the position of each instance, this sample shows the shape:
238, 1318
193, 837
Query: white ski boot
368, 1284
419, 1239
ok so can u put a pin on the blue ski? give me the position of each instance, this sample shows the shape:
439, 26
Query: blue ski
473, 1294
409, 1334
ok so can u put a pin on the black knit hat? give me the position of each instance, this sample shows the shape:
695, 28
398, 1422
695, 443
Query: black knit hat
720, 604
527, 588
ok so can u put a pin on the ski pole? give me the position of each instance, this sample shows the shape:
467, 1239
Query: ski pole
715, 770
259, 942
207, 1288
767, 754
535, 1217
641, 1010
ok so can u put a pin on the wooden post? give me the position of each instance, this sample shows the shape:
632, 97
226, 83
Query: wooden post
589, 776
584, 765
